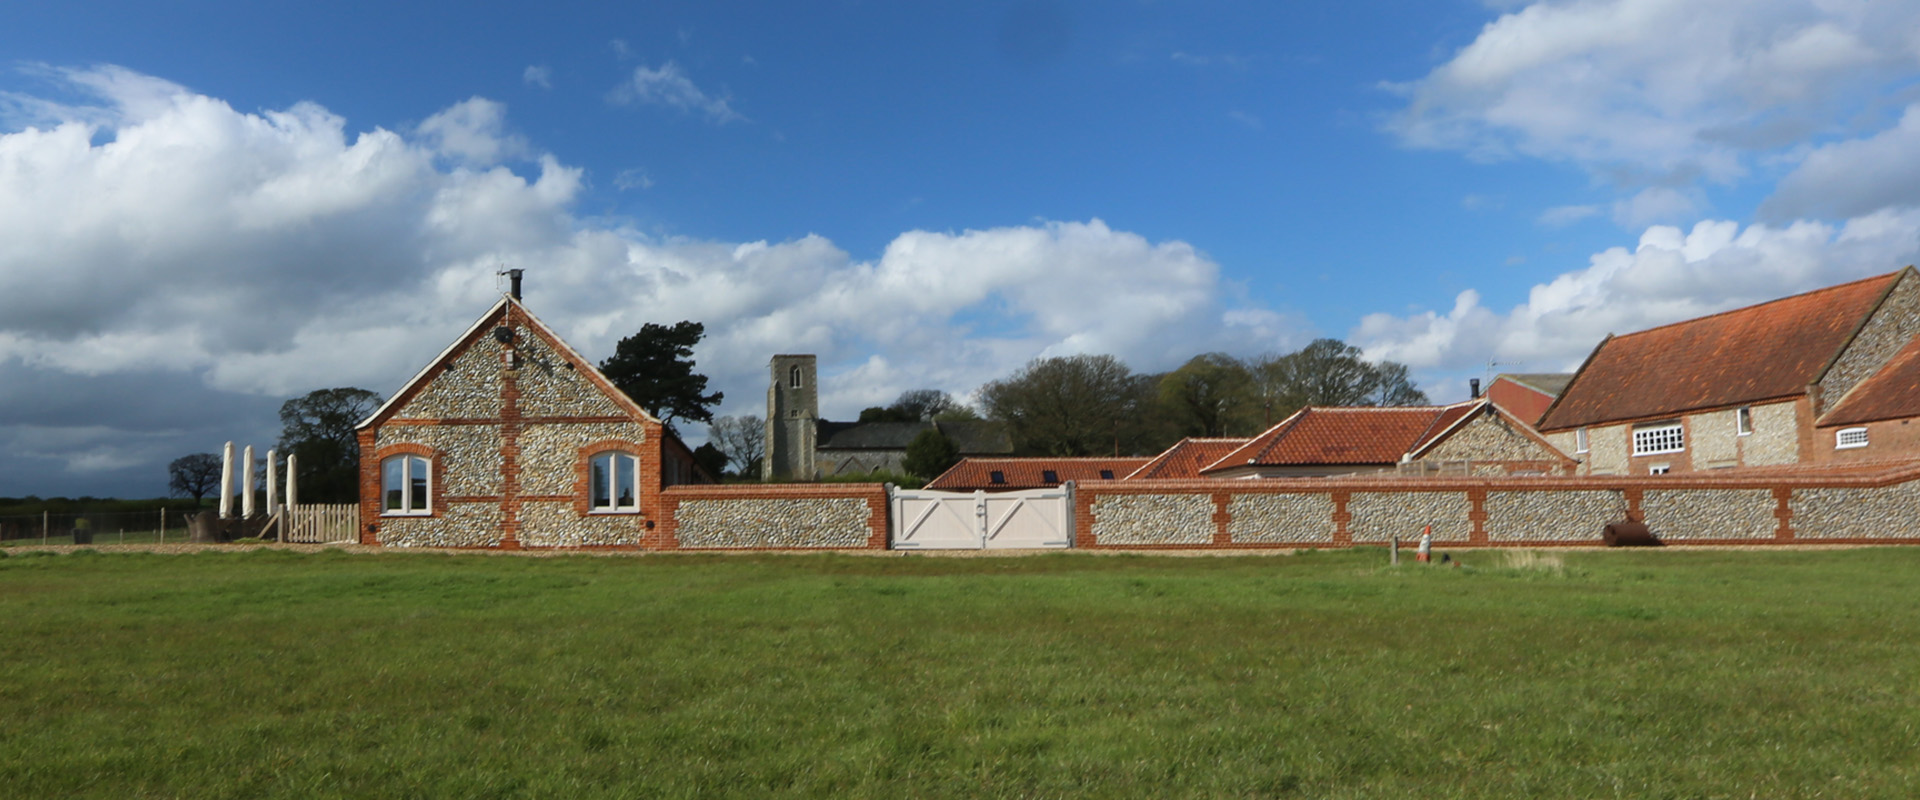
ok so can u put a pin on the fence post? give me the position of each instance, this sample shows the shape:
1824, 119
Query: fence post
163, 524
45, 520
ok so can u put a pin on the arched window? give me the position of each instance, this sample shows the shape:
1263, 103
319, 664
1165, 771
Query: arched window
405, 483
615, 483
793, 377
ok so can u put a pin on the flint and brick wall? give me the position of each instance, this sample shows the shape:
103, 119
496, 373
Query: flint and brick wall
776, 516
1786, 506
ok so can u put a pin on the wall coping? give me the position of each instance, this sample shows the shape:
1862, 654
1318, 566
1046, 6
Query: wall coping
1864, 475
774, 491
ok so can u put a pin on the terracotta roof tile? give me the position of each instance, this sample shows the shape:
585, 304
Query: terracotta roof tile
1186, 458
1030, 473
1750, 354
1335, 436
1891, 393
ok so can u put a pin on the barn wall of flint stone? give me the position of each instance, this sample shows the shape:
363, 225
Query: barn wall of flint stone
1883, 507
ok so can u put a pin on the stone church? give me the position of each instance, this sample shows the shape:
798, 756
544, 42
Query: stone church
802, 446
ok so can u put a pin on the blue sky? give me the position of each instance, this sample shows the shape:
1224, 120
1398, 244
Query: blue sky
206, 208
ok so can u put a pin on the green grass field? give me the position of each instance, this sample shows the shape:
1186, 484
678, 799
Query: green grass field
1615, 674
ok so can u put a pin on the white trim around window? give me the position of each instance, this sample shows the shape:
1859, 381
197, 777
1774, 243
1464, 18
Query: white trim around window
1652, 440
613, 483
1580, 443
1743, 421
1849, 438
1659, 469
406, 486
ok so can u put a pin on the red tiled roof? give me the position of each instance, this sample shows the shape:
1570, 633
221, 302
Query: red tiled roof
1185, 459
1756, 353
1338, 436
1029, 473
1890, 393
1527, 396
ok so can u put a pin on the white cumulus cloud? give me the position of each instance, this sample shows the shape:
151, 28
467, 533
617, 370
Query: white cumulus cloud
1670, 275
667, 85
171, 268
1660, 91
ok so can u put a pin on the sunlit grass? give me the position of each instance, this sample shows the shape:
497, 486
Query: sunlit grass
1629, 674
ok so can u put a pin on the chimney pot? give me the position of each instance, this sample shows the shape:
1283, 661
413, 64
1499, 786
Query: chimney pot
1472, 384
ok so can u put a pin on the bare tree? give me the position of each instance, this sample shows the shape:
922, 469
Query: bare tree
743, 439
197, 475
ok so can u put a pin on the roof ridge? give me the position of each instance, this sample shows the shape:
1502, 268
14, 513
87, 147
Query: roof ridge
1807, 293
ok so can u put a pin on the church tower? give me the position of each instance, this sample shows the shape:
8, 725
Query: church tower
793, 418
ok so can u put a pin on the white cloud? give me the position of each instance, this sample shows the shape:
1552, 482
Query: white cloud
629, 179
666, 85
229, 256
1671, 275
473, 131
1659, 90
1562, 216
539, 75
1853, 177
1655, 205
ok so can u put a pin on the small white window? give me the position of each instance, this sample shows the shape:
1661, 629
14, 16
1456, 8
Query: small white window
1580, 441
1743, 420
1659, 469
793, 377
1850, 437
616, 483
404, 484
1656, 439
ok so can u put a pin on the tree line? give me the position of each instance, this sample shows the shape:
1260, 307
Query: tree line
1091, 405
1083, 405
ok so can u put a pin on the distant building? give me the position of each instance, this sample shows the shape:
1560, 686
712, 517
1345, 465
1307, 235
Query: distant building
1009, 474
1473, 437
802, 446
1528, 395
1829, 376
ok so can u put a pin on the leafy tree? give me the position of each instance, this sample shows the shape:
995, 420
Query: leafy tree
930, 454
318, 427
923, 405
197, 476
1071, 406
710, 459
882, 414
1208, 396
743, 440
1329, 372
960, 412
655, 368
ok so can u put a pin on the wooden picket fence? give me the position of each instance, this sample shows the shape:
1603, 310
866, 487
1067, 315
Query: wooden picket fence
320, 524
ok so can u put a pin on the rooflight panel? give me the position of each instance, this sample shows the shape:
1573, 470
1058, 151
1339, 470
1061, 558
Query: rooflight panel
997, 476
1050, 476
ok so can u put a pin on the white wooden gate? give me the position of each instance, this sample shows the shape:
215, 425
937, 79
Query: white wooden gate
317, 524
1037, 518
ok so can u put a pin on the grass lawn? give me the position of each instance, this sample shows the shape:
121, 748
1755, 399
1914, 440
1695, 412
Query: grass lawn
1621, 674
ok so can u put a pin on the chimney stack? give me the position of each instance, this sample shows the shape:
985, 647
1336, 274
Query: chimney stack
514, 276
1472, 384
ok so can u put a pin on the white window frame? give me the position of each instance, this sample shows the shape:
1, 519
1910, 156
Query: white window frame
404, 467
1659, 469
609, 471
1653, 440
793, 377
1743, 421
1581, 443
1849, 438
